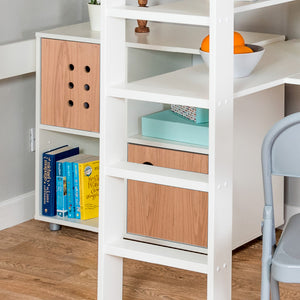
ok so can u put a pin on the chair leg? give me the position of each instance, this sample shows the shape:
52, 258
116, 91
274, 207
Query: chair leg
267, 254
274, 290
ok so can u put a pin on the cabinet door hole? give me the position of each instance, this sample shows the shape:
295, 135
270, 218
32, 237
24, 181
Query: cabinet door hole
87, 69
86, 87
71, 67
71, 85
147, 163
86, 105
71, 103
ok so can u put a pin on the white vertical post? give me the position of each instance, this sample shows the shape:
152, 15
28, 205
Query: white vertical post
112, 143
38, 203
220, 150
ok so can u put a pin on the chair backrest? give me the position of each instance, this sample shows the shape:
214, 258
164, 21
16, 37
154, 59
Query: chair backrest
281, 152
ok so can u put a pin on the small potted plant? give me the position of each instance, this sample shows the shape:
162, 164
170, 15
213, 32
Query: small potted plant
94, 7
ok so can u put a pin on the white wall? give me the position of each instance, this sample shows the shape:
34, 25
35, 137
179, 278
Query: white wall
19, 20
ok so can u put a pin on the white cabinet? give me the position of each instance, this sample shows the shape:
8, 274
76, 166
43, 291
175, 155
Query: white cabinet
66, 55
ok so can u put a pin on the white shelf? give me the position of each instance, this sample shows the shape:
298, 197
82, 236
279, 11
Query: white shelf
190, 12
190, 85
90, 225
158, 255
159, 175
180, 12
280, 61
70, 131
78, 32
295, 79
162, 143
242, 6
184, 38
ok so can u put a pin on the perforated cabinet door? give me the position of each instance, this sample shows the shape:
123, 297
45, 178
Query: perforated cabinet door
70, 73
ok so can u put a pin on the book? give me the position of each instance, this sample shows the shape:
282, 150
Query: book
49, 159
64, 185
86, 188
61, 196
76, 183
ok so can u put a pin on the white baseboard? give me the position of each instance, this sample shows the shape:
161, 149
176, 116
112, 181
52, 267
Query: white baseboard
16, 210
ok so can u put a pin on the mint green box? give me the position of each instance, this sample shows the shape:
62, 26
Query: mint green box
171, 126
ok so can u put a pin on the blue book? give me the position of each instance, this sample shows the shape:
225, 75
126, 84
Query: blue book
61, 186
70, 189
49, 177
64, 174
77, 183
61, 196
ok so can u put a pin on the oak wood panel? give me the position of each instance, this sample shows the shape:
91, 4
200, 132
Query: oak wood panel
62, 105
142, 281
164, 212
167, 158
168, 213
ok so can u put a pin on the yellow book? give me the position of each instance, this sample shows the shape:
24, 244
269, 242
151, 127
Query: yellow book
89, 189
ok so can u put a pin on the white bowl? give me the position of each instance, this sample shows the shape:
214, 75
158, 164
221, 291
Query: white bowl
244, 63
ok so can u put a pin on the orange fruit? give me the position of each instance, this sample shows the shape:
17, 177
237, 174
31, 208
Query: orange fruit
205, 44
242, 49
238, 41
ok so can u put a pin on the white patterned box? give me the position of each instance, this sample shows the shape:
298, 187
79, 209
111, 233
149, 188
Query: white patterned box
198, 115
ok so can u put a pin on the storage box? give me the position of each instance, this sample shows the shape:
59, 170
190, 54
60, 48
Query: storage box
169, 125
166, 213
196, 114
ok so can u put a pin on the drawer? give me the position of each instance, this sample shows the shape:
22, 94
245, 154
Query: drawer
166, 158
164, 212
70, 84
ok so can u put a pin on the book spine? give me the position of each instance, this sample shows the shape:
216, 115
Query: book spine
76, 191
89, 189
59, 168
48, 187
61, 201
70, 189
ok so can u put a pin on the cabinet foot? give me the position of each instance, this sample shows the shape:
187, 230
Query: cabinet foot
54, 227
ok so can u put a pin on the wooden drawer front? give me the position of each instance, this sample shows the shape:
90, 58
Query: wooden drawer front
167, 213
70, 84
168, 158
164, 212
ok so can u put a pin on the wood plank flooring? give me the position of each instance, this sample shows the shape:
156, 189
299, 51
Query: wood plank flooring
37, 264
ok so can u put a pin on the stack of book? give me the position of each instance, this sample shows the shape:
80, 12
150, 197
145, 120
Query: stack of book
70, 183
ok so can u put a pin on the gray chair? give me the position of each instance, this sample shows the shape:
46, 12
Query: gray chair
280, 156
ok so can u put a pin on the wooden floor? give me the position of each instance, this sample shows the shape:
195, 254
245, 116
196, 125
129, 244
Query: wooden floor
36, 263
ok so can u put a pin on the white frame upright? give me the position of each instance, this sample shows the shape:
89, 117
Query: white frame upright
111, 216
220, 150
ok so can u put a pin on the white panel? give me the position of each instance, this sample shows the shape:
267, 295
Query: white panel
253, 116
90, 224
78, 32
17, 59
171, 177
158, 255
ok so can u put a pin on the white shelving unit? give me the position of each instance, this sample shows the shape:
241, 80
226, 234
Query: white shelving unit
49, 137
234, 139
